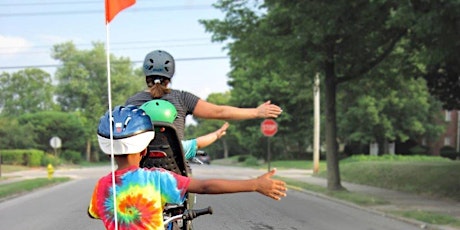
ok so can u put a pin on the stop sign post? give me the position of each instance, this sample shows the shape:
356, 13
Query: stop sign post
269, 128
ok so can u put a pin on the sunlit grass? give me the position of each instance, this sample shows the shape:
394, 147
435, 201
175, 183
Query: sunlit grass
429, 217
353, 197
19, 187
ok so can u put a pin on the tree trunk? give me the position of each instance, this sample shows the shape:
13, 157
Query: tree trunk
382, 145
88, 150
333, 172
225, 146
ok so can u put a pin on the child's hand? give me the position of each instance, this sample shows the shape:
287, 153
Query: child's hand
267, 186
222, 131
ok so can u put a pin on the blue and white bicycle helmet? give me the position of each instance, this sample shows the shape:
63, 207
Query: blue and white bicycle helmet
159, 63
132, 130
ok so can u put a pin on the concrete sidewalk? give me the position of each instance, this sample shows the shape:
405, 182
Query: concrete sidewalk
399, 201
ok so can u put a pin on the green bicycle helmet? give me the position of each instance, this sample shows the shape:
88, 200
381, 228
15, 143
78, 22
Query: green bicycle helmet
160, 110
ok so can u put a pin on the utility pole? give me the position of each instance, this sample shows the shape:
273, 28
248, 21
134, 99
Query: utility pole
316, 126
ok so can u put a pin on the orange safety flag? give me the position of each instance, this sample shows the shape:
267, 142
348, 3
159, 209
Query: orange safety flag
112, 7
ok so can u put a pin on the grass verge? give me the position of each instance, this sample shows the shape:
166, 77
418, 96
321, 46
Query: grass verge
366, 200
428, 217
356, 198
19, 187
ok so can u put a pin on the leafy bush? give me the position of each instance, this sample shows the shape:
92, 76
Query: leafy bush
418, 150
449, 152
251, 161
242, 158
388, 157
34, 157
72, 156
50, 159
26, 157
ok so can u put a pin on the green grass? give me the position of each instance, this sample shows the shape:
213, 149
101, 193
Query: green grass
353, 197
423, 175
13, 168
429, 217
432, 178
19, 187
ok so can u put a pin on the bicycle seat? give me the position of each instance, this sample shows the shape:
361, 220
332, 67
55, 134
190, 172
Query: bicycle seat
165, 150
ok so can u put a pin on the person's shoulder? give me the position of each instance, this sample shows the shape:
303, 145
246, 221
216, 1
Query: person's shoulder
183, 93
139, 98
178, 91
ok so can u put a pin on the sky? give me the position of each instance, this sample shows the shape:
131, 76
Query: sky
29, 29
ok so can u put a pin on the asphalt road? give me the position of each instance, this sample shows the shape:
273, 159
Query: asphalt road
64, 207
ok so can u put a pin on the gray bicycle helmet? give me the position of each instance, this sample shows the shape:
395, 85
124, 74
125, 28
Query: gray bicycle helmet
159, 63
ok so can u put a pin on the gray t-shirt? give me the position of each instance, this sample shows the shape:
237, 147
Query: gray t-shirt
184, 102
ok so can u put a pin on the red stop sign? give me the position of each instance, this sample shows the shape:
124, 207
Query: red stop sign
269, 127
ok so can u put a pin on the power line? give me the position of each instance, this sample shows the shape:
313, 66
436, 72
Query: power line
116, 49
133, 62
48, 3
134, 10
116, 43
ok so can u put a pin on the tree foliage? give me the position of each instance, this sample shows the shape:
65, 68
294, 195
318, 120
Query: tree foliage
278, 46
26, 91
82, 82
227, 144
436, 37
16, 135
44, 125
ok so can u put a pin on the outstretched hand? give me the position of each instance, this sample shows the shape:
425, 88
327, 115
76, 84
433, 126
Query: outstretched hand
222, 130
268, 110
272, 188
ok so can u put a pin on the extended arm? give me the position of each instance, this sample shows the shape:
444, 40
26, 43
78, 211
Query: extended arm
264, 185
210, 138
208, 110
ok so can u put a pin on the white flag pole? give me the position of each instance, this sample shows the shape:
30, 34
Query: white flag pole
112, 157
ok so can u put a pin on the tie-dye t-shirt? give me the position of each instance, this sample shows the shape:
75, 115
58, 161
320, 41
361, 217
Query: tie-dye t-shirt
140, 197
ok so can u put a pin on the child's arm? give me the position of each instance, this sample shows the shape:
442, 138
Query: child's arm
210, 138
274, 189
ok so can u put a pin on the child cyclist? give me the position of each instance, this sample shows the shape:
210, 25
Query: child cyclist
142, 193
165, 111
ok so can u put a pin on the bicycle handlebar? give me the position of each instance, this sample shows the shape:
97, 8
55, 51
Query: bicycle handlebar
189, 215
192, 214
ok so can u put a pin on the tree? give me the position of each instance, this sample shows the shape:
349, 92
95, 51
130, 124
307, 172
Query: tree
262, 70
343, 40
437, 40
387, 104
16, 135
67, 126
82, 83
222, 147
26, 91
387, 109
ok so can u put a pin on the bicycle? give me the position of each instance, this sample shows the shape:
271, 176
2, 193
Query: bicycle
165, 151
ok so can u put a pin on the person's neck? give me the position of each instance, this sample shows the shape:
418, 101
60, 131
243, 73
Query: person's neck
128, 161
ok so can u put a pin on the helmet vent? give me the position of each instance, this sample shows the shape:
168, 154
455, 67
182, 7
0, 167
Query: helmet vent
151, 66
166, 67
127, 121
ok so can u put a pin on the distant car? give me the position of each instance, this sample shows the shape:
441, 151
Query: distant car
203, 157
